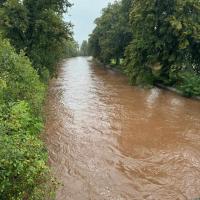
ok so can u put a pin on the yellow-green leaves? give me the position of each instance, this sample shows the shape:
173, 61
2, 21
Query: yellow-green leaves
21, 79
177, 25
2, 83
23, 168
184, 44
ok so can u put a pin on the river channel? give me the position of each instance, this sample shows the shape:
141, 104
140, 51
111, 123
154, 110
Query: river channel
108, 140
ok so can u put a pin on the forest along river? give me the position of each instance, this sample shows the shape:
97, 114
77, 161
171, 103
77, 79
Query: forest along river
111, 141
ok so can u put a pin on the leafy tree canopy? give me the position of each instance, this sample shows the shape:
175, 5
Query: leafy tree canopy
166, 39
37, 28
112, 33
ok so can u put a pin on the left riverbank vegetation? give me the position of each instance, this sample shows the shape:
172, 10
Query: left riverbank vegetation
33, 38
154, 42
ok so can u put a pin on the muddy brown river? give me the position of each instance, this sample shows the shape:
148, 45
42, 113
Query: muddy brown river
111, 141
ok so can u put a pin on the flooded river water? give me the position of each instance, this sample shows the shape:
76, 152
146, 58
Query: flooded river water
111, 141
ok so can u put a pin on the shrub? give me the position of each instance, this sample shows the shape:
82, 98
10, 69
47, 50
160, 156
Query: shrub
22, 165
23, 158
189, 84
22, 81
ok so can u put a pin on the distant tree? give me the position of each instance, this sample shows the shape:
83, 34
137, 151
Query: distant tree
84, 48
71, 48
112, 33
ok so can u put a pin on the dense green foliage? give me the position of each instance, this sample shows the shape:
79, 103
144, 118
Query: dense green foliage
23, 168
37, 28
84, 51
166, 38
71, 49
164, 47
37, 38
112, 33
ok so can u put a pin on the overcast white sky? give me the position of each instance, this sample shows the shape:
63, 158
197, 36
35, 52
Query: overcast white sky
83, 14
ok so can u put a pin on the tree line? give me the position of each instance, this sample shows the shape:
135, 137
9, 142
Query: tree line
154, 42
33, 38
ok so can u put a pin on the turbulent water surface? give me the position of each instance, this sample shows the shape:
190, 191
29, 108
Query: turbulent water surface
110, 141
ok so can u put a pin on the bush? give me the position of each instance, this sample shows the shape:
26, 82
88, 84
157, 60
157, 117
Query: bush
23, 168
189, 84
22, 165
21, 120
22, 81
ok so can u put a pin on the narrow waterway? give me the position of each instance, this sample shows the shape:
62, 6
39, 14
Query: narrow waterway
111, 141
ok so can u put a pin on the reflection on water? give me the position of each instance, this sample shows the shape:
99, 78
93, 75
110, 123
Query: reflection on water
110, 141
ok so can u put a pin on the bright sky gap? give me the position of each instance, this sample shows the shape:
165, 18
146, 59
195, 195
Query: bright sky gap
82, 15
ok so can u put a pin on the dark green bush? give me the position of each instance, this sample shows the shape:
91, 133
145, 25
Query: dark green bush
189, 84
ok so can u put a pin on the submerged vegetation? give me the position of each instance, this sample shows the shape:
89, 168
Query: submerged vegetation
33, 38
159, 42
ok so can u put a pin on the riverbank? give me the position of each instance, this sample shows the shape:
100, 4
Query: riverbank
24, 172
174, 90
119, 69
